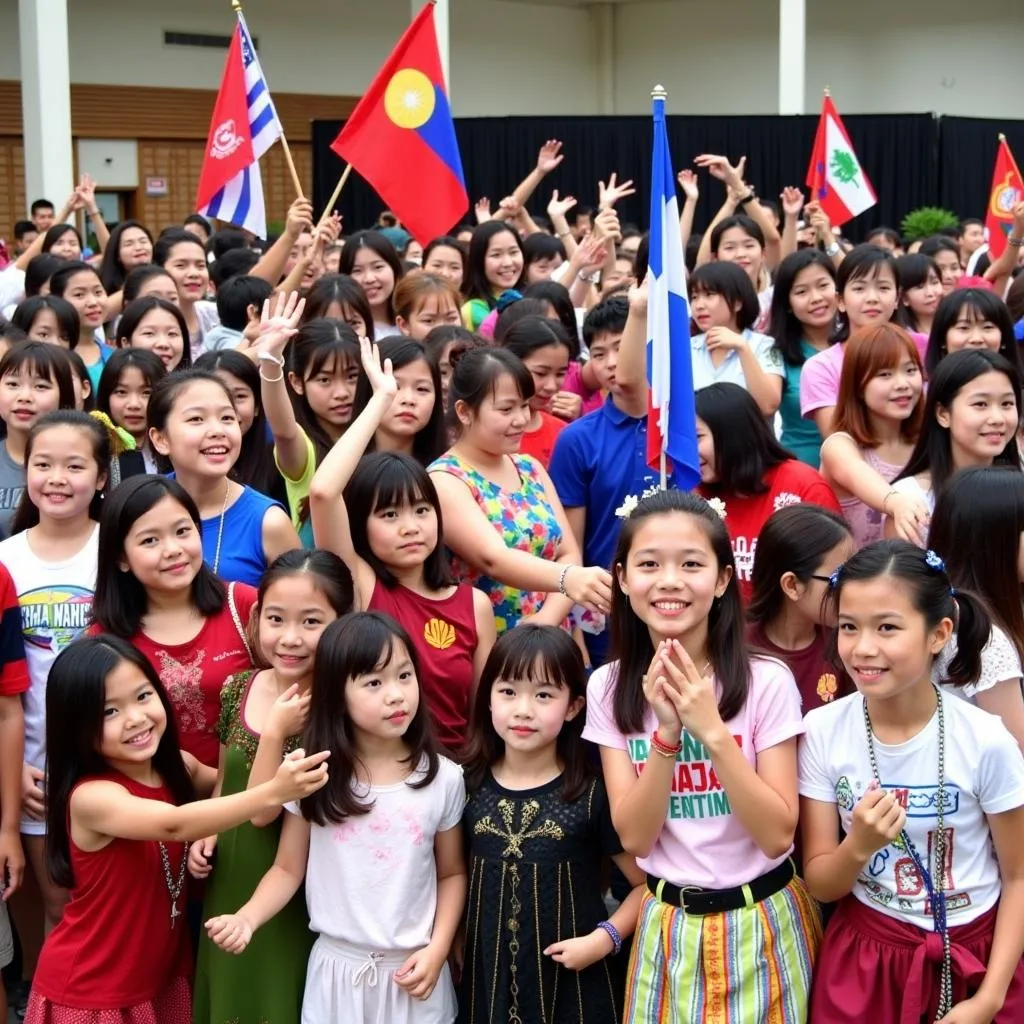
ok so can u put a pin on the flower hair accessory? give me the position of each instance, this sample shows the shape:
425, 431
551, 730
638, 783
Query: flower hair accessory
631, 501
933, 561
718, 507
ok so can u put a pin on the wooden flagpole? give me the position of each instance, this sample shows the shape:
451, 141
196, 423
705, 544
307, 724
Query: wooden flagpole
334, 195
288, 159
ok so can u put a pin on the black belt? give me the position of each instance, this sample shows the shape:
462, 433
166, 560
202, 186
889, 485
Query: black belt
697, 901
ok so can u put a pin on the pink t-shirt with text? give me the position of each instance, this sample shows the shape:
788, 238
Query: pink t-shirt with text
703, 843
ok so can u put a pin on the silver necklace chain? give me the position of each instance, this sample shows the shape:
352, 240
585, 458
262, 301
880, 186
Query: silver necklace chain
933, 879
220, 526
173, 887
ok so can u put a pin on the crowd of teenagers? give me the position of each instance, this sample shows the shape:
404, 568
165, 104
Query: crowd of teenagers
355, 666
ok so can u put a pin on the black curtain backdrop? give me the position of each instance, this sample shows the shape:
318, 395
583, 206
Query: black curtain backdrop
911, 159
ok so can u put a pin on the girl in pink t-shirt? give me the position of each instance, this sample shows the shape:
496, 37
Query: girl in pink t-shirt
698, 747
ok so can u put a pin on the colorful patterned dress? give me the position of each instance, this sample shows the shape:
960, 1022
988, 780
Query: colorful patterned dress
264, 984
524, 519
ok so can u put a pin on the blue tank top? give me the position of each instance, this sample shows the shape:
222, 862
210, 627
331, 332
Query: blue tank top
241, 548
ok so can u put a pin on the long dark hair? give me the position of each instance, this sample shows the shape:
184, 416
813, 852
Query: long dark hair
476, 284
66, 315
27, 514
863, 262
44, 360
931, 593
914, 270
138, 309
379, 244
112, 270
392, 480
989, 504
745, 447
785, 328
794, 539
355, 645
75, 698
120, 602
985, 305
530, 653
631, 643
933, 452
149, 364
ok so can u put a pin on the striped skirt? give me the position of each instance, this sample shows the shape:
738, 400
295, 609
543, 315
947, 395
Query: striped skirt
746, 966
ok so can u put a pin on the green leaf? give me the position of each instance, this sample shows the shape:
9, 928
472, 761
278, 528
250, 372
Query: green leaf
927, 221
844, 167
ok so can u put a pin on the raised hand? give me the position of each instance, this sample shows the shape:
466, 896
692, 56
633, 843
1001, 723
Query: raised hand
688, 183
86, 191
610, 194
606, 225
300, 217
381, 377
792, 201
591, 254
560, 207
550, 156
720, 168
637, 296
277, 327
482, 209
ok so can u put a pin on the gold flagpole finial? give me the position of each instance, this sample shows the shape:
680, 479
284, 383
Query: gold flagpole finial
1002, 137
236, 6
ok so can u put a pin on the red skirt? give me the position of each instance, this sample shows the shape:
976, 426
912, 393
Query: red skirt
876, 968
172, 1006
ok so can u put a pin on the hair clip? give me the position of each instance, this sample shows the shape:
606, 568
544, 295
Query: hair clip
933, 561
952, 592
833, 580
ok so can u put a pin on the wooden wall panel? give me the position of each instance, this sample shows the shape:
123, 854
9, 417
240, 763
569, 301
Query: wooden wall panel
13, 205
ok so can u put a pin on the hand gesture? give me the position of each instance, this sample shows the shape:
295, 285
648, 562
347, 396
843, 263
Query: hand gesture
877, 820
792, 201
509, 208
688, 183
818, 220
298, 776
33, 801
482, 209
381, 378
606, 225
976, 1010
12, 864
550, 156
909, 515
691, 693
582, 952
200, 857
86, 191
637, 296
330, 231
720, 168
723, 338
560, 207
655, 692
590, 254
279, 326
590, 586
287, 715
610, 194
419, 974
230, 931
1018, 220
567, 405
300, 217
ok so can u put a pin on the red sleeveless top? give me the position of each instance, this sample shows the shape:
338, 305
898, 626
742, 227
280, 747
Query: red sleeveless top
114, 946
444, 634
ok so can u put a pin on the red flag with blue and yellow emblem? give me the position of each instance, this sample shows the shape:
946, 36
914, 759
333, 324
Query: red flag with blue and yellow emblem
401, 138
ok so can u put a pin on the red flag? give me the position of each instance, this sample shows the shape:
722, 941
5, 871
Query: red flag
1007, 191
835, 176
229, 145
401, 138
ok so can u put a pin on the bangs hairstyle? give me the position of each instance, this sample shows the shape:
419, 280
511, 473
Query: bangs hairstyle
394, 480
977, 305
320, 346
539, 655
534, 332
930, 593
476, 285
914, 270
137, 311
58, 231
863, 263
988, 504
475, 376
149, 364
68, 324
745, 446
340, 290
737, 220
631, 643
120, 601
868, 352
75, 701
255, 465
413, 291
430, 441
39, 270
27, 514
378, 244
41, 359
61, 277
542, 246
355, 645
794, 539
557, 296
446, 242
137, 278
785, 328
112, 268
168, 391
933, 452
516, 311
171, 238
719, 277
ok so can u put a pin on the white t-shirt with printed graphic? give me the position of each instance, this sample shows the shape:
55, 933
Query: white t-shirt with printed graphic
999, 662
984, 774
702, 842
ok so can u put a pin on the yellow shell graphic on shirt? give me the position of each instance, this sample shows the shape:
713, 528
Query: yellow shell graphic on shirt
439, 634
51, 617
827, 687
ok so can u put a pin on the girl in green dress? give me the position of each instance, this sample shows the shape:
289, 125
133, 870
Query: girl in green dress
263, 713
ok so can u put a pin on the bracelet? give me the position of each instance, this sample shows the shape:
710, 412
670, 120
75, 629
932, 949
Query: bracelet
1017, 243
272, 380
271, 358
563, 234
888, 495
665, 749
748, 198
613, 933
561, 579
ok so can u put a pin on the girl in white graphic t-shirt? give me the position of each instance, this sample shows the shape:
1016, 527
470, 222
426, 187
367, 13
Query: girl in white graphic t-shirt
698, 746
929, 791
52, 557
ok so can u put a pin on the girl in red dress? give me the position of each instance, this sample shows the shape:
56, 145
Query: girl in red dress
121, 811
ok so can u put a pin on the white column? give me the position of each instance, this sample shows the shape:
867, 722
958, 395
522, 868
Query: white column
442, 23
46, 99
792, 55
603, 17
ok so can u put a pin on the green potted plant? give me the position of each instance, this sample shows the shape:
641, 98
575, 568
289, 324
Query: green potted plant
926, 221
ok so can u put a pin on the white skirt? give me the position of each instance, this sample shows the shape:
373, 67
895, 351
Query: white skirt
351, 984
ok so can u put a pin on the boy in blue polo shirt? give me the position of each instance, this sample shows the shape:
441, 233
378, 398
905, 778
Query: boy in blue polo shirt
602, 458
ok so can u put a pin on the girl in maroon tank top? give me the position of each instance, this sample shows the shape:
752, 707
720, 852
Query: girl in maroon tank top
121, 806
380, 513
